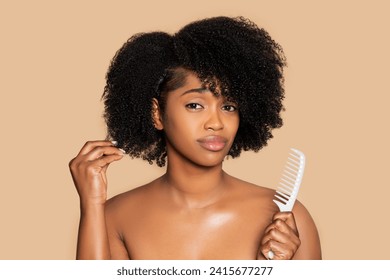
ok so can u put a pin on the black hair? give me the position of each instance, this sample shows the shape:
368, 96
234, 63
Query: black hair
233, 54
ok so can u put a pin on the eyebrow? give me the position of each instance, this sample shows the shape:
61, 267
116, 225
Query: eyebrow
197, 90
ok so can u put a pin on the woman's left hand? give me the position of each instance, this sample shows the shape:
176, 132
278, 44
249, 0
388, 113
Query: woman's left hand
281, 237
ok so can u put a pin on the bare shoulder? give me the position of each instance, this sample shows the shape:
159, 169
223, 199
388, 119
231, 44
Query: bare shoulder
251, 190
257, 198
122, 210
133, 199
261, 200
310, 247
301, 213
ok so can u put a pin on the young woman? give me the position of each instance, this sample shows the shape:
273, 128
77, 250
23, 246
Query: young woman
188, 100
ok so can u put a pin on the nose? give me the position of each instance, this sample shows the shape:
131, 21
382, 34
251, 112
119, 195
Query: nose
214, 121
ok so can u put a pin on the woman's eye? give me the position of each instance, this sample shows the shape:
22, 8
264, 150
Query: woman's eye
194, 106
229, 108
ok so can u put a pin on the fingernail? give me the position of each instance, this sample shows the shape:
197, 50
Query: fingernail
123, 151
114, 142
270, 255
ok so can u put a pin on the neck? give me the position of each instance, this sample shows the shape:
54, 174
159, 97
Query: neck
194, 186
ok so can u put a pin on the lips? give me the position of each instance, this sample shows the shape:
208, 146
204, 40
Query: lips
213, 143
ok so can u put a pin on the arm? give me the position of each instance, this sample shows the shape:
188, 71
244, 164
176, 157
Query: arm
88, 171
92, 240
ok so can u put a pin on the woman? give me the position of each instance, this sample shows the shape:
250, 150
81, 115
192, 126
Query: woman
190, 99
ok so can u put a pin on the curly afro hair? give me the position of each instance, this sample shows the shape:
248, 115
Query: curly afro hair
243, 61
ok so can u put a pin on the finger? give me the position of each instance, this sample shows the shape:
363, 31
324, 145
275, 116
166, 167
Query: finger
281, 237
90, 145
279, 225
92, 162
103, 162
101, 151
288, 218
279, 251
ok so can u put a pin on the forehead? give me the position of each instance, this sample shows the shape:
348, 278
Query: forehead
193, 82
191, 85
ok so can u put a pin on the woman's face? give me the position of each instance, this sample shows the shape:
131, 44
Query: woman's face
199, 126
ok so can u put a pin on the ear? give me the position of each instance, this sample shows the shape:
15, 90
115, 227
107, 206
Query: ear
157, 115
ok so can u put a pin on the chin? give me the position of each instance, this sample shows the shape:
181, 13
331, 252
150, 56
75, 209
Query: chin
210, 160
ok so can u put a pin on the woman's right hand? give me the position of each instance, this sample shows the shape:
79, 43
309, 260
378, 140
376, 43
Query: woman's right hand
89, 167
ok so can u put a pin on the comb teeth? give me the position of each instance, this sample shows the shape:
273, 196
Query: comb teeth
290, 181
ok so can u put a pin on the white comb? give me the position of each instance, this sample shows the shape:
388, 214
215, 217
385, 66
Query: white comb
291, 179
287, 191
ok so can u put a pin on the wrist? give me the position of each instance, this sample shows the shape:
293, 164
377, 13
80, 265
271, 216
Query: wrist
91, 205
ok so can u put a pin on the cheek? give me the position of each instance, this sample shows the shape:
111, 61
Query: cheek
180, 124
233, 124
237, 122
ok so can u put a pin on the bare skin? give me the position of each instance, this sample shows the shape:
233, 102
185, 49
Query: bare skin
195, 210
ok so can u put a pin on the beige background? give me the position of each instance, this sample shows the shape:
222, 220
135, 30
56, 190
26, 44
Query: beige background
53, 60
